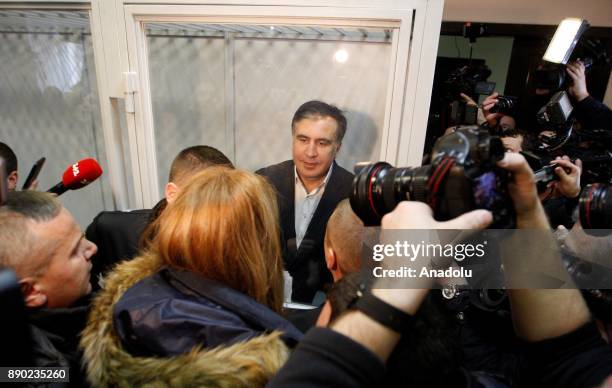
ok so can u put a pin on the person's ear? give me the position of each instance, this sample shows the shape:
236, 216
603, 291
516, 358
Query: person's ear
33, 296
324, 315
12, 179
172, 191
331, 259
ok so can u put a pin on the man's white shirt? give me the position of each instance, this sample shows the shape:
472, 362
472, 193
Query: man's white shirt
306, 204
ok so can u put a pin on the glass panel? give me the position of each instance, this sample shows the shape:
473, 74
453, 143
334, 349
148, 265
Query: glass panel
187, 85
236, 87
49, 101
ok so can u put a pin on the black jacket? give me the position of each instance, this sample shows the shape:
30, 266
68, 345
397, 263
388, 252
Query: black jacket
173, 311
117, 235
325, 358
593, 114
55, 339
307, 264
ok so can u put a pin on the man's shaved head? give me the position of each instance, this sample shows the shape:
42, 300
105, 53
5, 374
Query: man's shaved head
194, 159
21, 210
344, 234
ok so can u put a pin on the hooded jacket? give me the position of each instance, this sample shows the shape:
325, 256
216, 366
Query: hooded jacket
249, 363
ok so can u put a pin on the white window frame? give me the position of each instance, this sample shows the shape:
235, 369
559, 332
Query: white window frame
408, 92
120, 49
115, 171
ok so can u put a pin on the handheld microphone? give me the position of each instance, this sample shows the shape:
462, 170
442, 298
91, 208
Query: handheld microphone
77, 176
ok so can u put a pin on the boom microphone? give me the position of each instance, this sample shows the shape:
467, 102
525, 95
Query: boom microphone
77, 176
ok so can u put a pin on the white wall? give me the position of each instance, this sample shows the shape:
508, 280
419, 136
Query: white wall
543, 12
496, 51
550, 12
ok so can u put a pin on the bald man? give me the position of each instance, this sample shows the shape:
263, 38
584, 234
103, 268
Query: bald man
343, 241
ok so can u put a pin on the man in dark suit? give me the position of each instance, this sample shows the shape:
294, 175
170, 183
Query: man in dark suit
119, 234
309, 188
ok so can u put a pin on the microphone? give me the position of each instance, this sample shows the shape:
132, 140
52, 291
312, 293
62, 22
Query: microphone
77, 176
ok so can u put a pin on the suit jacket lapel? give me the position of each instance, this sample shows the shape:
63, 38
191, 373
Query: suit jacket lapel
326, 206
287, 206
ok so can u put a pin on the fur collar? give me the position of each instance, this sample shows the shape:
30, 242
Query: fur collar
246, 364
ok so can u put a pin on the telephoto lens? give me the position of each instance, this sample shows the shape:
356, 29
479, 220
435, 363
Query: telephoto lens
462, 177
505, 105
595, 207
379, 187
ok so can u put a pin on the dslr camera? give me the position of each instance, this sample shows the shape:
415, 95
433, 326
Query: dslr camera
506, 105
461, 177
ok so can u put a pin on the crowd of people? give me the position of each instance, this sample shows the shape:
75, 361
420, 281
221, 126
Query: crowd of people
193, 292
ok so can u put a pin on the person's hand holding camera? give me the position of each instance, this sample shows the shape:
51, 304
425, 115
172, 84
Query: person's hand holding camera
569, 176
468, 100
578, 90
487, 104
522, 189
418, 215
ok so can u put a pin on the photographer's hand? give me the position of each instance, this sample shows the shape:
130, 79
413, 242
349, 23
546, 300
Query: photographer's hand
569, 183
538, 313
33, 185
407, 215
417, 215
578, 90
468, 99
529, 211
487, 104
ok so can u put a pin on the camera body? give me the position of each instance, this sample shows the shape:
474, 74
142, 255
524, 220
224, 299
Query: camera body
462, 177
554, 77
556, 113
544, 176
506, 105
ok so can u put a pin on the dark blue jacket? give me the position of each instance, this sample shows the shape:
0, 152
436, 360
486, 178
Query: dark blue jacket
174, 310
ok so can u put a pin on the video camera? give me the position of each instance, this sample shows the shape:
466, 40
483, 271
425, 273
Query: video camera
469, 80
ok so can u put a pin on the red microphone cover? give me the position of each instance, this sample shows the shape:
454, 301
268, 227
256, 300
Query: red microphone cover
81, 174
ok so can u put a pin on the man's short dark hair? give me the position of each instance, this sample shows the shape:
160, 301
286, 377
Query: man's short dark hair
34, 205
10, 159
528, 143
187, 163
15, 240
313, 109
194, 159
